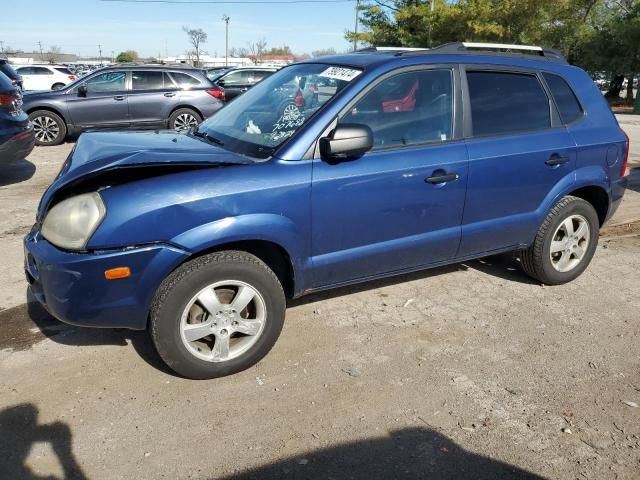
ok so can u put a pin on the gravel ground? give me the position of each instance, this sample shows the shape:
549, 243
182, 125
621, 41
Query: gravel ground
467, 371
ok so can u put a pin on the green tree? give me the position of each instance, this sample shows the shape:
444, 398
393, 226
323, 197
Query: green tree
127, 56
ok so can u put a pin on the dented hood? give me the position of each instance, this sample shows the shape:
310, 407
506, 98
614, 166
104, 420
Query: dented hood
98, 153
106, 150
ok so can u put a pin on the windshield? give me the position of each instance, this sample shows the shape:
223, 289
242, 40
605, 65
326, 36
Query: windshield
259, 121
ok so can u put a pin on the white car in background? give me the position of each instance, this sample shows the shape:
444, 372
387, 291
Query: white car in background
45, 77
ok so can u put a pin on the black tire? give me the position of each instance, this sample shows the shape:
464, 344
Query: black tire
176, 118
46, 133
177, 290
536, 260
57, 86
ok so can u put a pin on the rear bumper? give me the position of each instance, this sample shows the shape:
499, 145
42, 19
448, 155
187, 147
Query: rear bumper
617, 193
72, 286
19, 145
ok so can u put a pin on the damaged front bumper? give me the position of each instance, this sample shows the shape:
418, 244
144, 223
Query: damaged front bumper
73, 287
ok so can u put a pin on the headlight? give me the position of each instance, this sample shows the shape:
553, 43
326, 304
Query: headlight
70, 223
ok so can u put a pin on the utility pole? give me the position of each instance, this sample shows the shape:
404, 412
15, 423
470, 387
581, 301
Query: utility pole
1, 46
355, 38
41, 54
100, 50
225, 19
113, 56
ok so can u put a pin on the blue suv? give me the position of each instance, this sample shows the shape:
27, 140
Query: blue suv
404, 160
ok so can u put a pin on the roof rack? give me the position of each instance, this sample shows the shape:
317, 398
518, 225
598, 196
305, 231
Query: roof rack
496, 49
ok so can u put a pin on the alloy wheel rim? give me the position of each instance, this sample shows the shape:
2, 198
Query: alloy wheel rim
185, 121
570, 243
290, 109
46, 129
223, 321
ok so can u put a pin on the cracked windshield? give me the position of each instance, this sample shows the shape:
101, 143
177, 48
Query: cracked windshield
258, 122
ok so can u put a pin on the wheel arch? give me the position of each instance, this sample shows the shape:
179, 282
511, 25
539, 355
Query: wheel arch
178, 107
49, 109
597, 197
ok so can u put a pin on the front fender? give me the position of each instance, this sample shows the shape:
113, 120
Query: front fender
273, 228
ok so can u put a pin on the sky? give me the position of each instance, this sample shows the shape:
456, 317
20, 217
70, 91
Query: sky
152, 29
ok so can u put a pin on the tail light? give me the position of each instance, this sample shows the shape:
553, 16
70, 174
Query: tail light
217, 93
6, 100
625, 161
72, 77
299, 99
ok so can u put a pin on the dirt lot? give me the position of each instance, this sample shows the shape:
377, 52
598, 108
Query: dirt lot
468, 371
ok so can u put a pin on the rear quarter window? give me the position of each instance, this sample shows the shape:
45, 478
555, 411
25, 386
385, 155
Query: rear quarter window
566, 100
184, 80
504, 102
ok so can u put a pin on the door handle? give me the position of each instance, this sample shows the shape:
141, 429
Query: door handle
119, 98
443, 178
556, 160
170, 94
244, 89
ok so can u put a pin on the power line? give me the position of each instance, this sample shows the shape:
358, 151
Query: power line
229, 2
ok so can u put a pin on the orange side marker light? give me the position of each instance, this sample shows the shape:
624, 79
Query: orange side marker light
117, 273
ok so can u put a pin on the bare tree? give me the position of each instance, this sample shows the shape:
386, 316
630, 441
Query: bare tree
197, 37
53, 54
257, 50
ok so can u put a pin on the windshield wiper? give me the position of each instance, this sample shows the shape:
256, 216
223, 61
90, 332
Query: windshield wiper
206, 136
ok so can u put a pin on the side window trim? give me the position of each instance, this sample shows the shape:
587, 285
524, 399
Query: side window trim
456, 108
466, 99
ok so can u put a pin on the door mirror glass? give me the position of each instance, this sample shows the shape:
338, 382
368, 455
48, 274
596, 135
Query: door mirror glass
82, 91
220, 83
347, 141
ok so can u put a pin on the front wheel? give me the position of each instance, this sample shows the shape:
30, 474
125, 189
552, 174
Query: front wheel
565, 243
57, 86
217, 315
48, 127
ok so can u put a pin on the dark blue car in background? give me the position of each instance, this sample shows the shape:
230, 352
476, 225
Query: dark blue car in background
16, 131
405, 160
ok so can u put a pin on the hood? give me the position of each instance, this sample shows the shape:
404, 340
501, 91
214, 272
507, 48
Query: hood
97, 152
96, 155
39, 94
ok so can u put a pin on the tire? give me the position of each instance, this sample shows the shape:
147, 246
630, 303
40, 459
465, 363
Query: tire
572, 252
49, 127
57, 86
183, 304
183, 119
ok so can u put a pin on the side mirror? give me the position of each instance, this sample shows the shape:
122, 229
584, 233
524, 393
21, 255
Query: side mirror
346, 141
220, 83
82, 91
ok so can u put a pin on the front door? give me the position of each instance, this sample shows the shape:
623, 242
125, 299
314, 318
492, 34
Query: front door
518, 152
105, 104
399, 206
234, 83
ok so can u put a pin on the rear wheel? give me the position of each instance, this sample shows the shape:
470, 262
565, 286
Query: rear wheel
217, 315
565, 243
183, 119
48, 127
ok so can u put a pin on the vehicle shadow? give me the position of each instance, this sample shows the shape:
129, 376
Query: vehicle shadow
16, 172
19, 431
29, 324
412, 453
504, 266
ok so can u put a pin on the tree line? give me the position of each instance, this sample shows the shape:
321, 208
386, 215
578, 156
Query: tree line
601, 36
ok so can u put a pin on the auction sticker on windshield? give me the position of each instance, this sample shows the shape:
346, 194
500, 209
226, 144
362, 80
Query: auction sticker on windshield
340, 73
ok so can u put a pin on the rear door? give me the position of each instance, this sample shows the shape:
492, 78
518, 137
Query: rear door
400, 205
105, 104
153, 95
519, 151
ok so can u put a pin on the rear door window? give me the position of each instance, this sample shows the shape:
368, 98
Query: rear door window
566, 101
149, 80
504, 102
